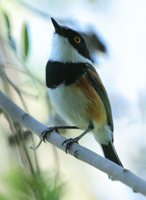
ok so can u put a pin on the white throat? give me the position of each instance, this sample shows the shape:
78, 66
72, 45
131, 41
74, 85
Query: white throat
63, 51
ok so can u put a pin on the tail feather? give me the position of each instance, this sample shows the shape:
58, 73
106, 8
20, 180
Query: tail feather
110, 153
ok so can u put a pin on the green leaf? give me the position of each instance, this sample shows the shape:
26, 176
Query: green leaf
8, 26
25, 44
7, 21
1, 111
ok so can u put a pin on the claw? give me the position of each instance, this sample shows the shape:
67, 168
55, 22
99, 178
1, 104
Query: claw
45, 133
44, 136
69, 142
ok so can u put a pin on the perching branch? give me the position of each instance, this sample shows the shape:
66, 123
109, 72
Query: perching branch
114, 171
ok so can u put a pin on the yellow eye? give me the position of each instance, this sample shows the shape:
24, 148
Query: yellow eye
77, 39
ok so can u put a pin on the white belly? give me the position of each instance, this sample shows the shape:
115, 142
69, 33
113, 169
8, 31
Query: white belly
70, 103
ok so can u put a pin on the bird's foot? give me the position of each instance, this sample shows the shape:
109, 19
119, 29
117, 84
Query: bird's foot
44, 135
69, 142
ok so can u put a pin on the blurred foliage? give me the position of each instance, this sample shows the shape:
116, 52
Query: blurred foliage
25, 36
1, 111
28, 183
2, 197
23, 186
9, 87
9, 34
25, 43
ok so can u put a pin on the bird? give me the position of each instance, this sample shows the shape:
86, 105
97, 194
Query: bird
76, 90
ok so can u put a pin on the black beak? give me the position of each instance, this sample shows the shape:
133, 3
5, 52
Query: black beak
58, 28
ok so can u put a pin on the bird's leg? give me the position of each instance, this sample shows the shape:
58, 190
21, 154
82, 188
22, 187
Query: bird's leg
49, 130
70, 141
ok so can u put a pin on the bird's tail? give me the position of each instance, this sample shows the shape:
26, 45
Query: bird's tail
110, 153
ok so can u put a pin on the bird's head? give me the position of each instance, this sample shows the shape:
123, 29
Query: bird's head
68, 45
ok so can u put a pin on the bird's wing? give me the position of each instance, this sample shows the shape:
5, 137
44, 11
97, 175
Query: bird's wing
95, 80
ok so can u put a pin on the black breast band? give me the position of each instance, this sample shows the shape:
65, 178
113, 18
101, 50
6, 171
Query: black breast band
66, 73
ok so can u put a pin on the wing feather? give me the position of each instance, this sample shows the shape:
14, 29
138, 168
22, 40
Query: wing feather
95, 80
